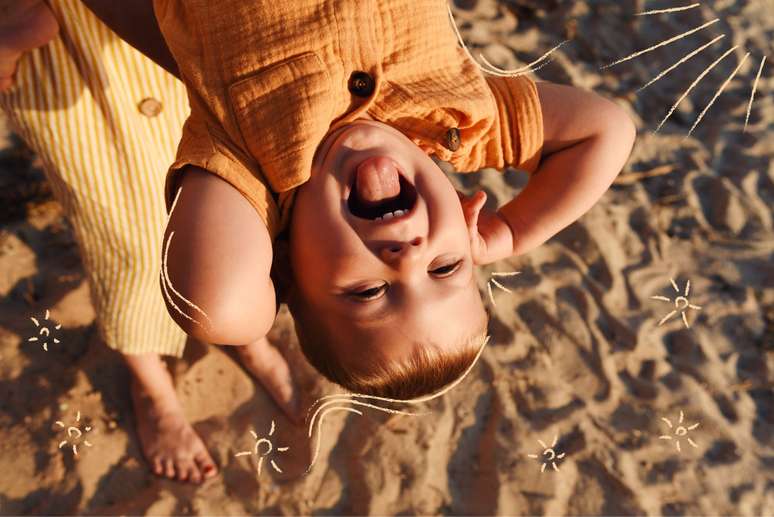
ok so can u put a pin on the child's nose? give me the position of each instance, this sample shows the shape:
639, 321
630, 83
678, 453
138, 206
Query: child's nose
396, 251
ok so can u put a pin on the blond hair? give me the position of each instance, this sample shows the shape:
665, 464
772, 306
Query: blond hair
426, 370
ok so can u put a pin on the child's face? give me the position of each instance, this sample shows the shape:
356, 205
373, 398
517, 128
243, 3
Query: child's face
402, 280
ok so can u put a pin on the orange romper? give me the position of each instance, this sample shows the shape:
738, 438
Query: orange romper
267, 79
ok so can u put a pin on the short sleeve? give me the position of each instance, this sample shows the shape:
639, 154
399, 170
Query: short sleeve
519, 131
200, 148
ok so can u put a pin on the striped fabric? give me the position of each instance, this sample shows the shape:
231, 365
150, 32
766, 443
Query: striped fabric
79, 103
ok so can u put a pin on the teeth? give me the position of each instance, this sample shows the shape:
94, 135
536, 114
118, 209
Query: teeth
390, 215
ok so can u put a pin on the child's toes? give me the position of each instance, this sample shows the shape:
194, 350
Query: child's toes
195, 475
206, 465
184, 468
169, 468
158, 468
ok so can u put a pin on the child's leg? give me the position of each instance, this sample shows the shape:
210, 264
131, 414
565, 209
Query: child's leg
167, 438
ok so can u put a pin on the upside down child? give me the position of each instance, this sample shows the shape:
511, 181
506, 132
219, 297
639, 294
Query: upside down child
314, 122
307, 163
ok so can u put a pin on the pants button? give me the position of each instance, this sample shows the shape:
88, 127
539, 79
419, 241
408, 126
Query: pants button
150, 107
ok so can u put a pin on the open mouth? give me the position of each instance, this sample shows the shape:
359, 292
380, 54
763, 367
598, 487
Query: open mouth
386, 209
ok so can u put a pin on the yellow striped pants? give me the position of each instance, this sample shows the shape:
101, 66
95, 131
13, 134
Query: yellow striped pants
105, 122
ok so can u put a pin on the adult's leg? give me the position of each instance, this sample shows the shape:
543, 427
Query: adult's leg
105, 122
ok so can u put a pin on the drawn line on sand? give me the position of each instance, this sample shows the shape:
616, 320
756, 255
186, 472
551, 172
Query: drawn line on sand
501, 72
682, 304
752, 95
261, 457
663, 43
349, 398
44, 331
717, 94
492, 281
494, 70
693, 85
679, 432
670, 10
550, 453
683, 60
75, 433
167, 283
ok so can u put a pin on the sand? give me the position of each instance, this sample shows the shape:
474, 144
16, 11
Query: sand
576, 354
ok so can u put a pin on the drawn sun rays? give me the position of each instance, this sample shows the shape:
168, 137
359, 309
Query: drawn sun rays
493, 281
681, 302
491, 69
688, 57
549, 455
268, 448
545, 59
74, 435
343, 402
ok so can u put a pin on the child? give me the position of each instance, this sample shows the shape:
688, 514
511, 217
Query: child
321, 117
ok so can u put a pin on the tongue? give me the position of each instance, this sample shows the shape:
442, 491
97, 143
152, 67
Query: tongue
377, 180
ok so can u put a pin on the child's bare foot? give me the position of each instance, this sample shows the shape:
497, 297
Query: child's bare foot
268, 366
168, 441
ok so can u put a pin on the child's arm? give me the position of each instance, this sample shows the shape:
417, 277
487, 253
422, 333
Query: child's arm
587, 140
219, 259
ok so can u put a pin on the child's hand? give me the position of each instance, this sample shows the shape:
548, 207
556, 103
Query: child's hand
491, 239
586, 141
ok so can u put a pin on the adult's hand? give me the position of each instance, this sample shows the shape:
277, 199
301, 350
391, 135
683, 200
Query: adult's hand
24, 25
135, 22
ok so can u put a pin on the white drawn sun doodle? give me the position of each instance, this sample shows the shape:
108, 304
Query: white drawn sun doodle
549, 455
44, 333
74, 434
682, 304
679, 432
494, 282
269, 449
689, 56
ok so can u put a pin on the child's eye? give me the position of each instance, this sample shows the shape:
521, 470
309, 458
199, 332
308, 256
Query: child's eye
446, 270
372, 293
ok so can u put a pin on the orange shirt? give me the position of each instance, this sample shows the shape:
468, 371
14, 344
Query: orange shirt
267, 79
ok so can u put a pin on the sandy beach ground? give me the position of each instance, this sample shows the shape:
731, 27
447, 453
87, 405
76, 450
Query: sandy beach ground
577, 358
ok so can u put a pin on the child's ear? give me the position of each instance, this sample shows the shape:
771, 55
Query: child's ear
471, 208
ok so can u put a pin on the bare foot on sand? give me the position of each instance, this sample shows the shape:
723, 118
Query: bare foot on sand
268, 366
168, 441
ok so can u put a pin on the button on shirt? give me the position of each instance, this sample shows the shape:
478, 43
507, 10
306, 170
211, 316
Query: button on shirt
268, 80
361, 84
